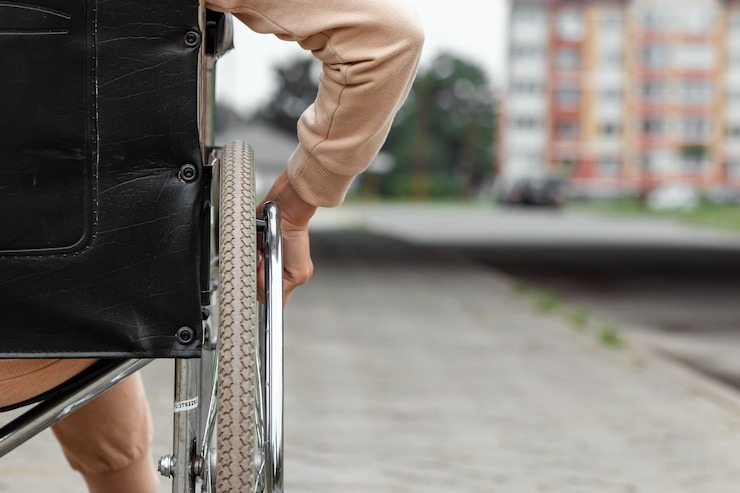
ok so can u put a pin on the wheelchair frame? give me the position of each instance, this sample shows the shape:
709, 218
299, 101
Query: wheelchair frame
192, 428
193, 460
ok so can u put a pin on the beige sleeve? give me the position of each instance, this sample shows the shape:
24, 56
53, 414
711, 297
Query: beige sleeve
370, 53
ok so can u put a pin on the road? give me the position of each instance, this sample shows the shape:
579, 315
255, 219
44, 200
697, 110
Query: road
673, 285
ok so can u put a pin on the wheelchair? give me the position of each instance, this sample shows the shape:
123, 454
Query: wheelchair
110, 191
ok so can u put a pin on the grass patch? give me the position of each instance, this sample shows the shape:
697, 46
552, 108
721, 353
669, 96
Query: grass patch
710, 215
521, 288
547, 302
356, 228
610, 336
721, 217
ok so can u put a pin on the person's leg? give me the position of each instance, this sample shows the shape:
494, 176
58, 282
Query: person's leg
108, 440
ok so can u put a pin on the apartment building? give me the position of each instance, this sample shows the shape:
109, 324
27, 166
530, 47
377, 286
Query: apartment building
622, 96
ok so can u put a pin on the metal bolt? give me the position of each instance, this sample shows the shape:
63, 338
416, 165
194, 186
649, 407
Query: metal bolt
166, 466
185, 335
192, 39
198, 466
188, 173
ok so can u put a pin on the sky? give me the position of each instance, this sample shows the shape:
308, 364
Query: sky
474, 29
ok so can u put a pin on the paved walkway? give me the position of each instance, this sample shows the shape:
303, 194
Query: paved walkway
411, 371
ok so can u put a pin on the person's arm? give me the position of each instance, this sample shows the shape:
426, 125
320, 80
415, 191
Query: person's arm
370, 51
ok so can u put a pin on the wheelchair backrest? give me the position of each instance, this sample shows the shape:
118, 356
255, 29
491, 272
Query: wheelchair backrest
100, 228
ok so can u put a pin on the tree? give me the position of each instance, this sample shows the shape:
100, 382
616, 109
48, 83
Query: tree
297, 84
442, 139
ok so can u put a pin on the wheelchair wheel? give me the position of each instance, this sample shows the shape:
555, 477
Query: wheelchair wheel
238, 318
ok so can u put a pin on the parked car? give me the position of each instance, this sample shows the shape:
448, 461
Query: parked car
542, 191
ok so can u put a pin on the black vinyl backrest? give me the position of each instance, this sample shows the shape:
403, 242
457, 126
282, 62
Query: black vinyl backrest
100, 240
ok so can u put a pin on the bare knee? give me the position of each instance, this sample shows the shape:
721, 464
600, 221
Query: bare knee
110, 433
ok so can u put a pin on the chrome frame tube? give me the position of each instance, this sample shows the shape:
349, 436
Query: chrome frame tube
186, 421
274, 339
187, 416
48, 412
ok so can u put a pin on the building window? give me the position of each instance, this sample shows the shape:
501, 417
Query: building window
526, 124
733, 96
657, 162
697, 19
565, 165
735, 56
567, 130
693, 158
614, 58
696, 91
612, 21
609, 167
610, 129
655, 91
733, 168
733, 131
567, 59
695, 56
610, 95
650, 163
526, 52
695, 128
693, 165
654, 127
734, 19
528, 88
656, 19
570, 24
568, 97
526, 15
656, 55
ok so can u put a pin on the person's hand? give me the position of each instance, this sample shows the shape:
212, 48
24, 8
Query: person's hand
295, 215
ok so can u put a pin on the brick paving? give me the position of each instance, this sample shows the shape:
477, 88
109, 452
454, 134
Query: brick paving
409, 370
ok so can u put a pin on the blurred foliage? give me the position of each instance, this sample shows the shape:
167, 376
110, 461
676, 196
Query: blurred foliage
694, 150
547, 301
295, 89
610, 336
443, 137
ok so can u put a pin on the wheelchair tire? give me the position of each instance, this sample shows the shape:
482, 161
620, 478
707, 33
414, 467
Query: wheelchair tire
238, 322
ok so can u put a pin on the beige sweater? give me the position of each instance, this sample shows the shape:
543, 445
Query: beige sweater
370, 52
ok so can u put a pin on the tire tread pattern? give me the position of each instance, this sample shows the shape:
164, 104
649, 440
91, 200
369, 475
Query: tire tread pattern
238, 321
